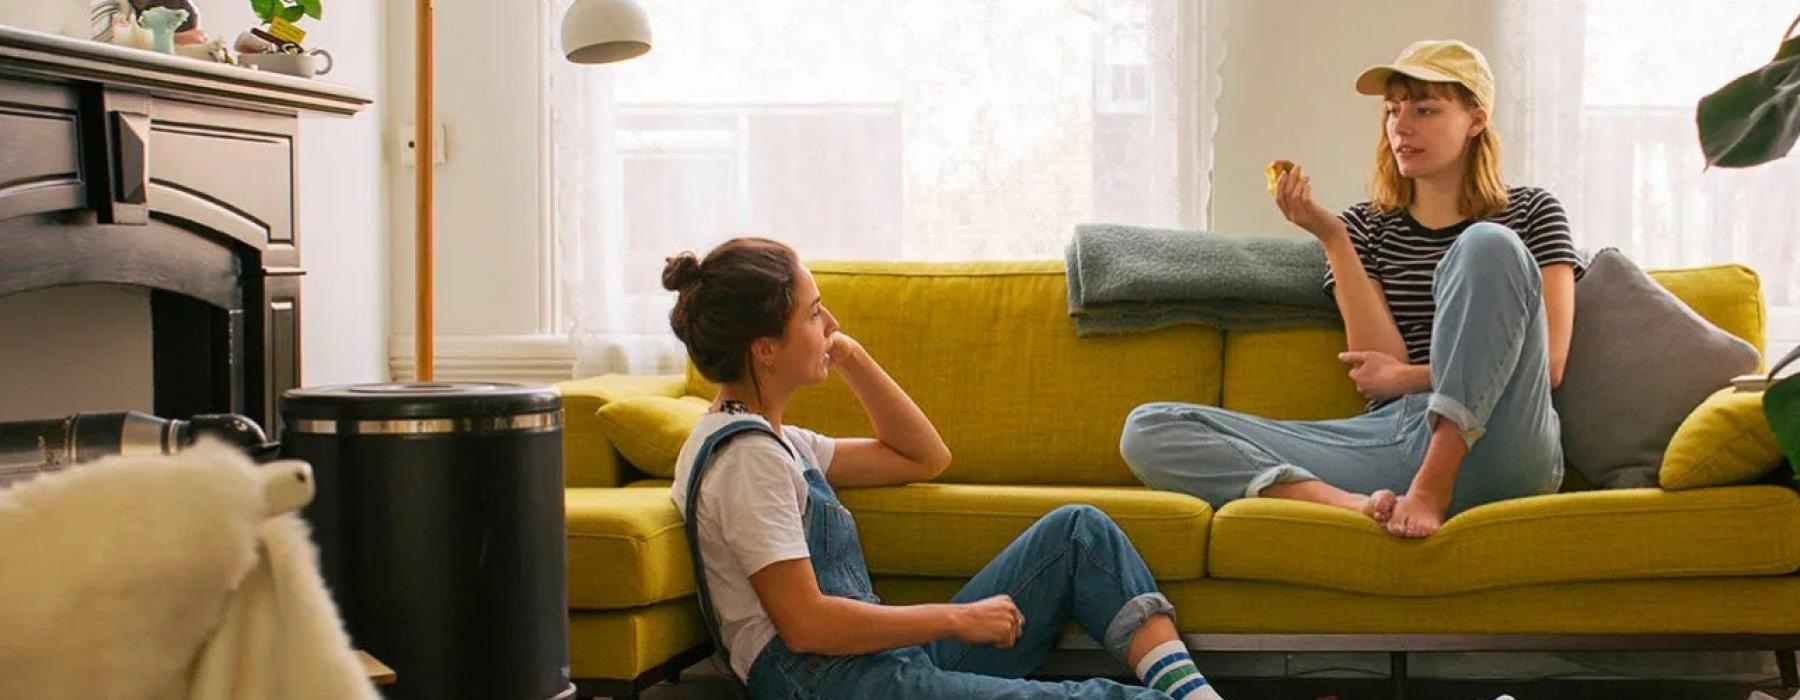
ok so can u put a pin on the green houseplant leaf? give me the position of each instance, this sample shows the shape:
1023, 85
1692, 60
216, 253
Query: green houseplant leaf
1755, 118
314, 8
264, 9
292, 13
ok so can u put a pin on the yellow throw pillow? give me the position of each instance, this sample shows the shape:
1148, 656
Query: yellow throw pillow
1725, 441
650, 430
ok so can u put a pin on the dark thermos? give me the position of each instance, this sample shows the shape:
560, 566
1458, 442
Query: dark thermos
32, 447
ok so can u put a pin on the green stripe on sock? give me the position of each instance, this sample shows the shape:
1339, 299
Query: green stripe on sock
1172, 676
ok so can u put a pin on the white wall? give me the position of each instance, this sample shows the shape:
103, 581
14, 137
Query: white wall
343, 212
1289, 69
487, 193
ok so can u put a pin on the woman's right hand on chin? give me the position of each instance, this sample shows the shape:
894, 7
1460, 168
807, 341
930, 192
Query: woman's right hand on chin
1293, 195
844, 350
995, 620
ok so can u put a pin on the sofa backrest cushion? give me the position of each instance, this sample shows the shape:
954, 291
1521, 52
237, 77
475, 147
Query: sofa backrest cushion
989, 352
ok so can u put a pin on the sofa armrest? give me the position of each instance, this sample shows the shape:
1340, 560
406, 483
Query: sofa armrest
589, 458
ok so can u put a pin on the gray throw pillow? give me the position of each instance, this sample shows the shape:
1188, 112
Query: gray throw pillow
1639, 362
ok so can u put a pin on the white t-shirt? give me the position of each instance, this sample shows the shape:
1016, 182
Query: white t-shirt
751, 505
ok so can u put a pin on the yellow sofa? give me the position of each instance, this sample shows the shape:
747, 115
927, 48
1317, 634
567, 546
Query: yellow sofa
1033, 415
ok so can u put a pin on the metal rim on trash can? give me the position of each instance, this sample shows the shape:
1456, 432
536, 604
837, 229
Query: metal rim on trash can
527, 423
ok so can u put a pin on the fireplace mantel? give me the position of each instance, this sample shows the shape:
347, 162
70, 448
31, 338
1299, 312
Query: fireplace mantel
121, 166
24, 52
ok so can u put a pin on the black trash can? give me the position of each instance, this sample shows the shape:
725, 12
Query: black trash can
439, 519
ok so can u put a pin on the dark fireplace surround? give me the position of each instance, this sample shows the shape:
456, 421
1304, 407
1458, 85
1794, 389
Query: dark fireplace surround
169, 174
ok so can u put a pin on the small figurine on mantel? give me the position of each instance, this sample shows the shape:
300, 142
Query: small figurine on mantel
162, 21
116, 22
137, 23
188, 31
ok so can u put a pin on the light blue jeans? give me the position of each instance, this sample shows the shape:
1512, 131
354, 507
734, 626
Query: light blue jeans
1074, 563
1489, 375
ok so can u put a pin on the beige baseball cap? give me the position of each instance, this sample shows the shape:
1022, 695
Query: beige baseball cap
1437, 61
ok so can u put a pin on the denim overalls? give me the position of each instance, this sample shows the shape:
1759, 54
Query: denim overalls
1073, 562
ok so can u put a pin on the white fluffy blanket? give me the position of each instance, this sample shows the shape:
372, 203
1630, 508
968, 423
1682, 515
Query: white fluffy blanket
160, 577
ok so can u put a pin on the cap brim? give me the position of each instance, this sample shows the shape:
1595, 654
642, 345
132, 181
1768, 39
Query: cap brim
1374, 80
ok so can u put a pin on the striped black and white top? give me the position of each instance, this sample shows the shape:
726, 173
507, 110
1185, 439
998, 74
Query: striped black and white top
1402, 254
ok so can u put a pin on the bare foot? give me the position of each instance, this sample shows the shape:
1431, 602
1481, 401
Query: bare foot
1415, 517
1379, 506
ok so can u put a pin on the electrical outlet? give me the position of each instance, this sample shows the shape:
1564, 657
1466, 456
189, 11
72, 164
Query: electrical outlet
408, 137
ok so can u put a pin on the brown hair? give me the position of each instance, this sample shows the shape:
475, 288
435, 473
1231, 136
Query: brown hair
1483, 194
742, 291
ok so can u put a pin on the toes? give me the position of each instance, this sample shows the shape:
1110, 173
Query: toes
1420, 528
1405, 520
1382, 504
1411, 526
1379, 506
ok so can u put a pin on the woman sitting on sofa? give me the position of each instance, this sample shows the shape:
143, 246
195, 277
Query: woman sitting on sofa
1458, 300
785, 589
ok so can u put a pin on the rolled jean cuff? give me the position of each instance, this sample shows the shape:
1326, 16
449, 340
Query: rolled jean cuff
1132, 615
1459, 414
1278, 474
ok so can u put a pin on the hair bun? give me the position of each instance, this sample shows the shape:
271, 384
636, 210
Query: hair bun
681, 271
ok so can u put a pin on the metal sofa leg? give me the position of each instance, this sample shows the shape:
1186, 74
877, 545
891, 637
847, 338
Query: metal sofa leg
1397, 671
620, 689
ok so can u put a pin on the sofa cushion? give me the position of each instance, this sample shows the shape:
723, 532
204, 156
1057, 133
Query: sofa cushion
620, 644
649, 431
953, 530
1730, 296
1290, 374
1758, 605
989, 352
1639, 361
1727, 440
589, 458
1620, 534
626, 548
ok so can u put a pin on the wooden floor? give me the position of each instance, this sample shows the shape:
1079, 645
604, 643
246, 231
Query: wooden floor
1436, 676
715, 688
378, 672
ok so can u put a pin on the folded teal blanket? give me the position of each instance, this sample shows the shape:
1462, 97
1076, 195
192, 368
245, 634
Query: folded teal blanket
1125, 279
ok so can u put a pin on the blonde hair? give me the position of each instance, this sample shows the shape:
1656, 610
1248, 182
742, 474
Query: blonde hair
1483, 194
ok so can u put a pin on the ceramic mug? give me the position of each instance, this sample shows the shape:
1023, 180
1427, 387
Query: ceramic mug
300, 64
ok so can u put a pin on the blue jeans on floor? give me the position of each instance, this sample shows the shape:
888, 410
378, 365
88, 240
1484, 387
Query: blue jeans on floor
1074, 563
1490, 376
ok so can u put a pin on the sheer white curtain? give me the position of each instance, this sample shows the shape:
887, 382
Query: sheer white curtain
867, 129
1597, 104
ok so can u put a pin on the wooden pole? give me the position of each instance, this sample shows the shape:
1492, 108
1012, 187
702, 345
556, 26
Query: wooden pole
425, 163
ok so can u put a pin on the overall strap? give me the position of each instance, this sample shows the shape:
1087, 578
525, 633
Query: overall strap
692, 522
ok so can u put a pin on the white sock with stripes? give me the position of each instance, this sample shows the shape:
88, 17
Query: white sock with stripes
1169, 669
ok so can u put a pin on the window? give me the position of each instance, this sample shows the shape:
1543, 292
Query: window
978, 129
1606, 115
